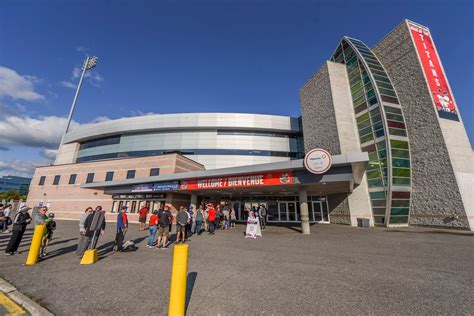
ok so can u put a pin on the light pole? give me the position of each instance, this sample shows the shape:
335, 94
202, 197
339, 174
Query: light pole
89, 63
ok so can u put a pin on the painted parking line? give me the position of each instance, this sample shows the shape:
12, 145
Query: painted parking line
9, 307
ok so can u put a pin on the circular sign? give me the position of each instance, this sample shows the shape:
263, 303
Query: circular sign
317, 161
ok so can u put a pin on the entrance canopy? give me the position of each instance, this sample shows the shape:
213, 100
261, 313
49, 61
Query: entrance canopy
280, 178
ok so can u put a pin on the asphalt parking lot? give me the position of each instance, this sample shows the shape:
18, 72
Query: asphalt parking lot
335, 270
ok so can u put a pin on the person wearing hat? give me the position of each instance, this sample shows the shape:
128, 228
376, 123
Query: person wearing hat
21, 220
122, 227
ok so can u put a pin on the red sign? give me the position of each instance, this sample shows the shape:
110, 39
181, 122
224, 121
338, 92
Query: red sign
437, 82
240, 181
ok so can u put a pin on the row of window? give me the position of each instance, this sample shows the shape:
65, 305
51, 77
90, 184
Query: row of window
109, 176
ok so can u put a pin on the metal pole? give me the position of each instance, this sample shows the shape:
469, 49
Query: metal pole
84, 68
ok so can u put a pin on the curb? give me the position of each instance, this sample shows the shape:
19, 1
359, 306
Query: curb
27, 303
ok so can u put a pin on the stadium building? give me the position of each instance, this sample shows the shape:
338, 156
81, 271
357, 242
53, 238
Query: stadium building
394, 149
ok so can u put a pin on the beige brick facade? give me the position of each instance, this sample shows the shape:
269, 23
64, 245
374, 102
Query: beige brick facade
68, 201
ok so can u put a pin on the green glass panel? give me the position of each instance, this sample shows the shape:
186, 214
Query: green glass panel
375, 183
378, 125
380, 78
401, 181
359, 100
356, 87
397, 132
365, 131
362, 118
377, 195
383, 154
391, 109
381, 145
376, 118
394, 117
373, 157
404, 163
400, 203
358, 94
380, 220
399, 144
383, 163
352, 60
364, 124
385, 85
374, 174
398, 219
387, 92
399, 172
398, 153
370, 94
367, 138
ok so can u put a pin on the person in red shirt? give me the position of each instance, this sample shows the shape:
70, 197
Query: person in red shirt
142, 214
153, 227
211, 216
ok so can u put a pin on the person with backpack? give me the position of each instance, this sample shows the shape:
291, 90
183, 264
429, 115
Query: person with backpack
262, 214
122, 227
21, 220
153, 228
164, 217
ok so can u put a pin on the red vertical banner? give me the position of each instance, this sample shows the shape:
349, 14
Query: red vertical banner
434, 73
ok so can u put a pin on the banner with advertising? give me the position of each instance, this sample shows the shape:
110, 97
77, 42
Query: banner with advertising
434, 73
238, 181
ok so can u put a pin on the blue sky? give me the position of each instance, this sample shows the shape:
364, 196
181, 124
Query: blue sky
193, 56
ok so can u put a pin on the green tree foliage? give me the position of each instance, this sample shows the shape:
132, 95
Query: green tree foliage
11, 195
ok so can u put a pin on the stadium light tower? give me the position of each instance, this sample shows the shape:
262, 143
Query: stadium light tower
89, 63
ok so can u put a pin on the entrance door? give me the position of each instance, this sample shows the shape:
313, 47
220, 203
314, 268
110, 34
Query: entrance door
287, 211
320, 212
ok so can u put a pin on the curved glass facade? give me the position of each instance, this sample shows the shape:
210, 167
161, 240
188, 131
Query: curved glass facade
382, 132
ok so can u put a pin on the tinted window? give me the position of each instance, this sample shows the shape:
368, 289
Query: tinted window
72, 178
109, 176
42, 180
154, 172
56, 180
90, 178
130, 174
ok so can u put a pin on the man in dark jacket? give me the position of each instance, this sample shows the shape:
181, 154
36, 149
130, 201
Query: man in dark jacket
93, 226
22, 218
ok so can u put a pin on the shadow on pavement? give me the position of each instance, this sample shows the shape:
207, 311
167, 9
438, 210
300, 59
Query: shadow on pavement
454, 232
59, 252
61, 241
190, 280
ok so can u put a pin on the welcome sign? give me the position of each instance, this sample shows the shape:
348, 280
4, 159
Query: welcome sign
238, 181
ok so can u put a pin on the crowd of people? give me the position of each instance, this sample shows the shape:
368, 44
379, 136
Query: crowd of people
206, 218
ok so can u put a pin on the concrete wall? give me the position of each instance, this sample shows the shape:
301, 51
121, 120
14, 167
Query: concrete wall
329, 123
67, 153
68, 201
436, 195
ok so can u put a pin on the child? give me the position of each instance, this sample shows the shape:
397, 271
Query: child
50, 228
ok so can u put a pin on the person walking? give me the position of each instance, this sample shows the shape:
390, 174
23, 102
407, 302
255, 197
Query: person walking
122, 227
182, 219
211, 214
21, 220
164, 217
82, 231
153, 228
142, 215
198, 218
262, 214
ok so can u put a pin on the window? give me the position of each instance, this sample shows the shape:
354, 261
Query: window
130, 174
42, 180
90, 177
72, 178
109, 176
154, 172
56, 179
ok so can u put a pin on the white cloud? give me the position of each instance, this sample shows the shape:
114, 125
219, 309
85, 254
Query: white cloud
41, 132
18, 87
49, 153
93, 76
21, 168
68, 84
82, 49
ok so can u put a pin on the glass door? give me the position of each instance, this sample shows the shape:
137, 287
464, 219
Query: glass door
320, 212
283, 211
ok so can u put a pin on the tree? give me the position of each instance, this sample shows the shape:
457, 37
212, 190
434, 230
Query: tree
10, 195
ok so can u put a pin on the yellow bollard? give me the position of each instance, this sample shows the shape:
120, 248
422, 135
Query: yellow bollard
178, 281
33, 254
90, 256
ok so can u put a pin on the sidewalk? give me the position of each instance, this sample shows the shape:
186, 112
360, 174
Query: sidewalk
13, 302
